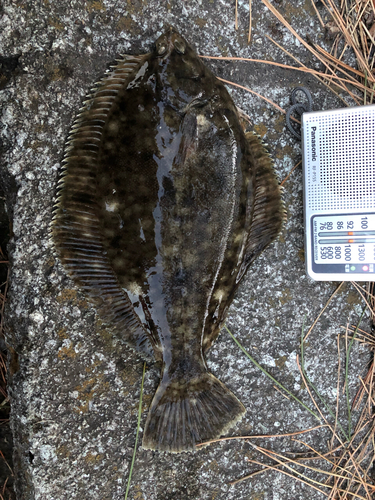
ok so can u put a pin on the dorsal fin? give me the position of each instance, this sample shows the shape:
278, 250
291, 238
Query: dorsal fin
91, 118
76, 227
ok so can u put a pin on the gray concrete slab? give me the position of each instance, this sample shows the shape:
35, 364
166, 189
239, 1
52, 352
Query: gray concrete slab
75, 389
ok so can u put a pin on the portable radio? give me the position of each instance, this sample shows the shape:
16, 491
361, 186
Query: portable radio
339, 193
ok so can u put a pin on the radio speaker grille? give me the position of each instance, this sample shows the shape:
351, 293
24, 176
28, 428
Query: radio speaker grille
339, 153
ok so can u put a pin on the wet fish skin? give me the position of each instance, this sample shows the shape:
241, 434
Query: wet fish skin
164, 204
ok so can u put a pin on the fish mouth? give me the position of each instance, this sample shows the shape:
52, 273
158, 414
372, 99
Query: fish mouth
170, 40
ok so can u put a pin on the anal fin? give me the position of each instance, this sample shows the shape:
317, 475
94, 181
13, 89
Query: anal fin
267, 211
265, 215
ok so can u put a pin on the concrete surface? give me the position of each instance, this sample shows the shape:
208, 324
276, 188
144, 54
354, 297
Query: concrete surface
74, 389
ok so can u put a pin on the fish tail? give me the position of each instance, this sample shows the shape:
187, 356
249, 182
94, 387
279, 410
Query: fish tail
185, 414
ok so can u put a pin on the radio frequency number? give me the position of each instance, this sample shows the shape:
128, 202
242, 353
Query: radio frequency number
348, 253
328, 225
330, 252
344, 239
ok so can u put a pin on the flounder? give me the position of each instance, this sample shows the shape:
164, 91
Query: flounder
163, 203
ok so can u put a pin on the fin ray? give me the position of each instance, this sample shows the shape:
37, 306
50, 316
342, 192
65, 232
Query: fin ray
265, 211
268, 214
76, 227
182, 416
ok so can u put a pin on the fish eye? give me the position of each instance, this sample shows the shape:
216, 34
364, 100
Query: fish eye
161, 48
179, 46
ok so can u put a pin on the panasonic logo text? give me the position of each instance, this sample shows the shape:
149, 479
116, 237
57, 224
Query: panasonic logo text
313, 144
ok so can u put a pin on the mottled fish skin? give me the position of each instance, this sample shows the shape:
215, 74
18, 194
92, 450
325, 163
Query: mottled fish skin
163, 205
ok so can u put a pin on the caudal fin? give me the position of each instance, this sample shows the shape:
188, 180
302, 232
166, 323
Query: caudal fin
181, 416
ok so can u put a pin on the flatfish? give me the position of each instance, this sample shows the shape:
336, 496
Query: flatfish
163, 203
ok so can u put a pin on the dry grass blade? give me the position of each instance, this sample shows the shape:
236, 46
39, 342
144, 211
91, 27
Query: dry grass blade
338, 65
299, 38
350, 461
6, 463
329, 460
334, 60
371, 296
278, 457
355, 21
250, 21
361, 336
367, 381
6, 485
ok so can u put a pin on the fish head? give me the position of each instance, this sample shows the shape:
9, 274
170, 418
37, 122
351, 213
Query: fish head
181, 74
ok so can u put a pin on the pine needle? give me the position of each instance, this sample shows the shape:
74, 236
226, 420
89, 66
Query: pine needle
136, 436
347, 372
262, 436
250, 21
326, 406
290, 173
322, 311
253, 92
